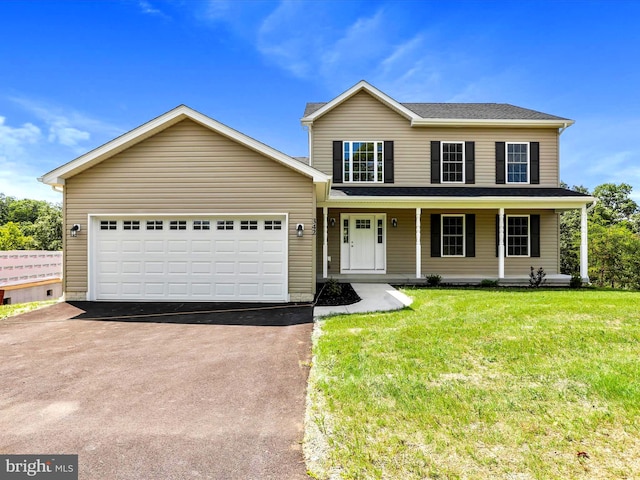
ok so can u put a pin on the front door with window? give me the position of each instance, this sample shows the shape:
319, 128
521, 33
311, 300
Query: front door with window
363, 243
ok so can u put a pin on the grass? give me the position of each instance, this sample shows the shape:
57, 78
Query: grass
475, 384
18, 308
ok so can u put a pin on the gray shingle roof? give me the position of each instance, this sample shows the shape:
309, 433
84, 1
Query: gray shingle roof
455, 192
464, 111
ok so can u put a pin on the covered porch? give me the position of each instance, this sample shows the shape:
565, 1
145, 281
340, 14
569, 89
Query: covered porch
464, 235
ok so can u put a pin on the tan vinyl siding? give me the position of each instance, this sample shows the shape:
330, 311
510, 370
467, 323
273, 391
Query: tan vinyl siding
190, 169
364, 118
401, 245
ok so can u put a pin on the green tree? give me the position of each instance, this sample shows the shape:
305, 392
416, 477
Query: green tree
570, 236
47, 229
614, 204
12, 238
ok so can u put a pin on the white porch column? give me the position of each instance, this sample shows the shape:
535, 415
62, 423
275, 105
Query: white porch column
501, 245
418, 245
325, 242
584, 244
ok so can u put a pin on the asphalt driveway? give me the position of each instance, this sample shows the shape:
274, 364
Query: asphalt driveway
160, 398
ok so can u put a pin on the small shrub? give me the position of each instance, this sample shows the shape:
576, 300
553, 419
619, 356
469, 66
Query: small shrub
333, 288
486, 283
537, 278
433, 280
576, 281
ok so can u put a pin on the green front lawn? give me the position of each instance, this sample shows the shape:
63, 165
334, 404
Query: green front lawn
479, 384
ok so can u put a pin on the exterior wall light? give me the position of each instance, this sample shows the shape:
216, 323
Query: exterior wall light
300, 229
74, 230
332, 222
394, 222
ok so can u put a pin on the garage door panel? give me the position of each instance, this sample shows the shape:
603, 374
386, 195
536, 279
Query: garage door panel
131, 246
248, 268
225, 268
201, 268
177, 268
134, 268
154, 246
108, 268
272, 268
190, 262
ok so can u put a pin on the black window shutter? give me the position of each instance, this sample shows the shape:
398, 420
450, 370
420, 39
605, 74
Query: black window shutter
500, 166
435, 163
534, 165
470, 235
435, 235
388, 161
337, 161
470, 162
534, 225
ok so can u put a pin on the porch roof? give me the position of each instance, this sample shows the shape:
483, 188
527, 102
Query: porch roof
525, 192
559, 199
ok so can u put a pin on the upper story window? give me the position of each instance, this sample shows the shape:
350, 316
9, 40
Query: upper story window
517, 163
452, 162
363, 162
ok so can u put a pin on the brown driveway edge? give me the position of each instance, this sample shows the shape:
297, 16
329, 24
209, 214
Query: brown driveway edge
146, 400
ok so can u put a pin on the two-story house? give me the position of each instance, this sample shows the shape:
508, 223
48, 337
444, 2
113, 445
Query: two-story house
465, 191
184, 208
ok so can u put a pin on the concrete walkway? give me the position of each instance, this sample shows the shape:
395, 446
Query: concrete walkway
375, 297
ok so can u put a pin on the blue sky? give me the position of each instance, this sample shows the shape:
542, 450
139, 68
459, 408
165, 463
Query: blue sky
76, 74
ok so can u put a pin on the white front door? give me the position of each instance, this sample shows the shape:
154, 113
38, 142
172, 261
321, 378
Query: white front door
363, 243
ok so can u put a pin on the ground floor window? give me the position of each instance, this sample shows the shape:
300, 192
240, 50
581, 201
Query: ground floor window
453, 235
518, 236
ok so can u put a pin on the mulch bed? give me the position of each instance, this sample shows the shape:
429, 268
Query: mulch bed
347, 296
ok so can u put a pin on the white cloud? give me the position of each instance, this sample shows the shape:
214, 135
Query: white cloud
15, 137
147, 8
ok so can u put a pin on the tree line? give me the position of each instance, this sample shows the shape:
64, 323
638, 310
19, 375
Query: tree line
29, 224
614, 237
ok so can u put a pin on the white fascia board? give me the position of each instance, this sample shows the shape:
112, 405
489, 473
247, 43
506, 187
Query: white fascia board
459, 202
453, 122
163, 122
358, 87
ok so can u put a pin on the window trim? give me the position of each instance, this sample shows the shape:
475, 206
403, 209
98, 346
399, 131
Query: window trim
506, 243
464, 160
506, 163
377, 163
464, 234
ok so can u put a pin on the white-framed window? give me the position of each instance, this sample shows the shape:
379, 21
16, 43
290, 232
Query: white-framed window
363, 162
345, 230
518, 236
453, 235
517, 162
154, 224
201, 225
108, 225
273, 224
131, 225
248, 224
177, 225
224, 225
452, 158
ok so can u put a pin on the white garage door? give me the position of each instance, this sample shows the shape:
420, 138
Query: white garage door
189, 259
